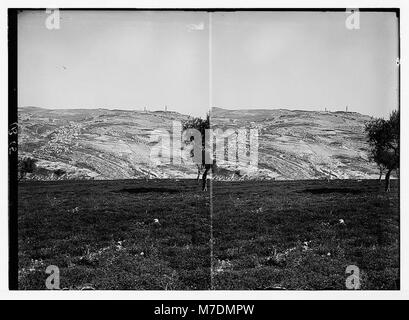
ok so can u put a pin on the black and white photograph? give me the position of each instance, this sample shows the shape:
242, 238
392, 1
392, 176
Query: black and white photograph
204, 149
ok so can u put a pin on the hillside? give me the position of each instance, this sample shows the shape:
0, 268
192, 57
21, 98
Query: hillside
305, 144
97, 144
115, 144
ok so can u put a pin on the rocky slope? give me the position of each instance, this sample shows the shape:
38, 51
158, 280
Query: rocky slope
116, 144
304, 144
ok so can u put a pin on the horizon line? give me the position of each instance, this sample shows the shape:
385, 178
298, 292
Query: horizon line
221, 108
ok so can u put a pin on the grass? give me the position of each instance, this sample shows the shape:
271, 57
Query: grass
268, 235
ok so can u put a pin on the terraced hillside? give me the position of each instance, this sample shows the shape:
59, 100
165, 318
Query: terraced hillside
304, 144
94, 144
116, 144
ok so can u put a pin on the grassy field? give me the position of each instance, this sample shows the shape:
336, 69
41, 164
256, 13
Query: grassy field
267, 235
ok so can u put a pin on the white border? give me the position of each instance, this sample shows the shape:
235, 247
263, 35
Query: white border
195, 295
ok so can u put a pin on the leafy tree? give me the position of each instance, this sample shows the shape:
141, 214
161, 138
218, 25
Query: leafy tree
26, 165
59, 172
384, 140
201, 125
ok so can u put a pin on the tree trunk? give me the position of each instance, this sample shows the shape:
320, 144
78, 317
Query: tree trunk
204, 178
380, 175
388, 181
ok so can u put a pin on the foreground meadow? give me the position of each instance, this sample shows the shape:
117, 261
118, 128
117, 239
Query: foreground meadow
156, 235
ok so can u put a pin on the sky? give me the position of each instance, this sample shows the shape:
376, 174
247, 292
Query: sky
189, 61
